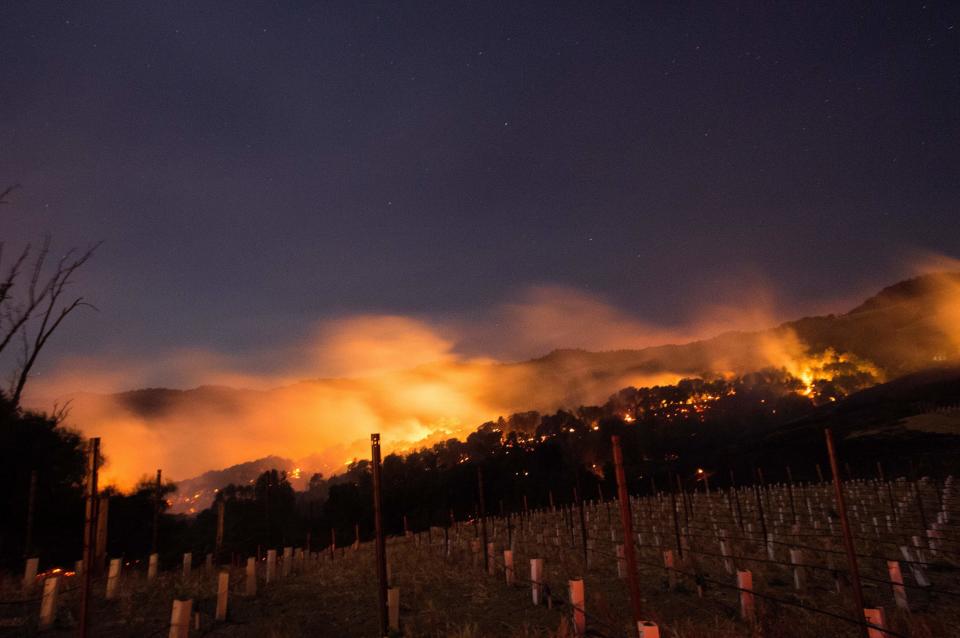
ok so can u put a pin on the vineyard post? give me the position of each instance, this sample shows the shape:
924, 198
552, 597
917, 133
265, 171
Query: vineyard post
113, 579
793, 510
103, 512
223, 587
90, 533
877, 618
271, 571
899, 592
536, 579
745, 585
847, 535
683, 497
157, 495
583, 523
893, 506
218, 545
676, 522
378, 530
180, 618
393, 603
763, 520
623, 496
31, 499
152, 566
251, 582
483, 520
918, 498
30, 573
577, 602
736, 499
48, 604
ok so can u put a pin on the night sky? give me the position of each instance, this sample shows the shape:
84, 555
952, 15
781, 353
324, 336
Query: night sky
254, 168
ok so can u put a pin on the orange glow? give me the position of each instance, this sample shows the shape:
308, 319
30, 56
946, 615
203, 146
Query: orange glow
411, 380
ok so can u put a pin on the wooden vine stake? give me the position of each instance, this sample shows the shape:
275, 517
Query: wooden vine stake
847, 534
89, 533
644, 629
380, 544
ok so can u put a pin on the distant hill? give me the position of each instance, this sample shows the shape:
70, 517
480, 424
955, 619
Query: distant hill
195, 494
904, 329
913, 418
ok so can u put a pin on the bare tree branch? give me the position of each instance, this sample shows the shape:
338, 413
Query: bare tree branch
12, 274
52, 314
37, 302
17, 317
61, 411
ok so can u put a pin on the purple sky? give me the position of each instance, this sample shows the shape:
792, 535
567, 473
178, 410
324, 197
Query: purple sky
254, 168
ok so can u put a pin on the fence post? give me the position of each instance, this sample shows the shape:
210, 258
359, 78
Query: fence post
48, 605
483, 519
31, 499
847, 536
89, 532
626, 520
155, 531
180, 618
577, 603
187, 564
380, 544
508, 565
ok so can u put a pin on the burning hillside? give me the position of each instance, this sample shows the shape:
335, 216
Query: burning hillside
905, 328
